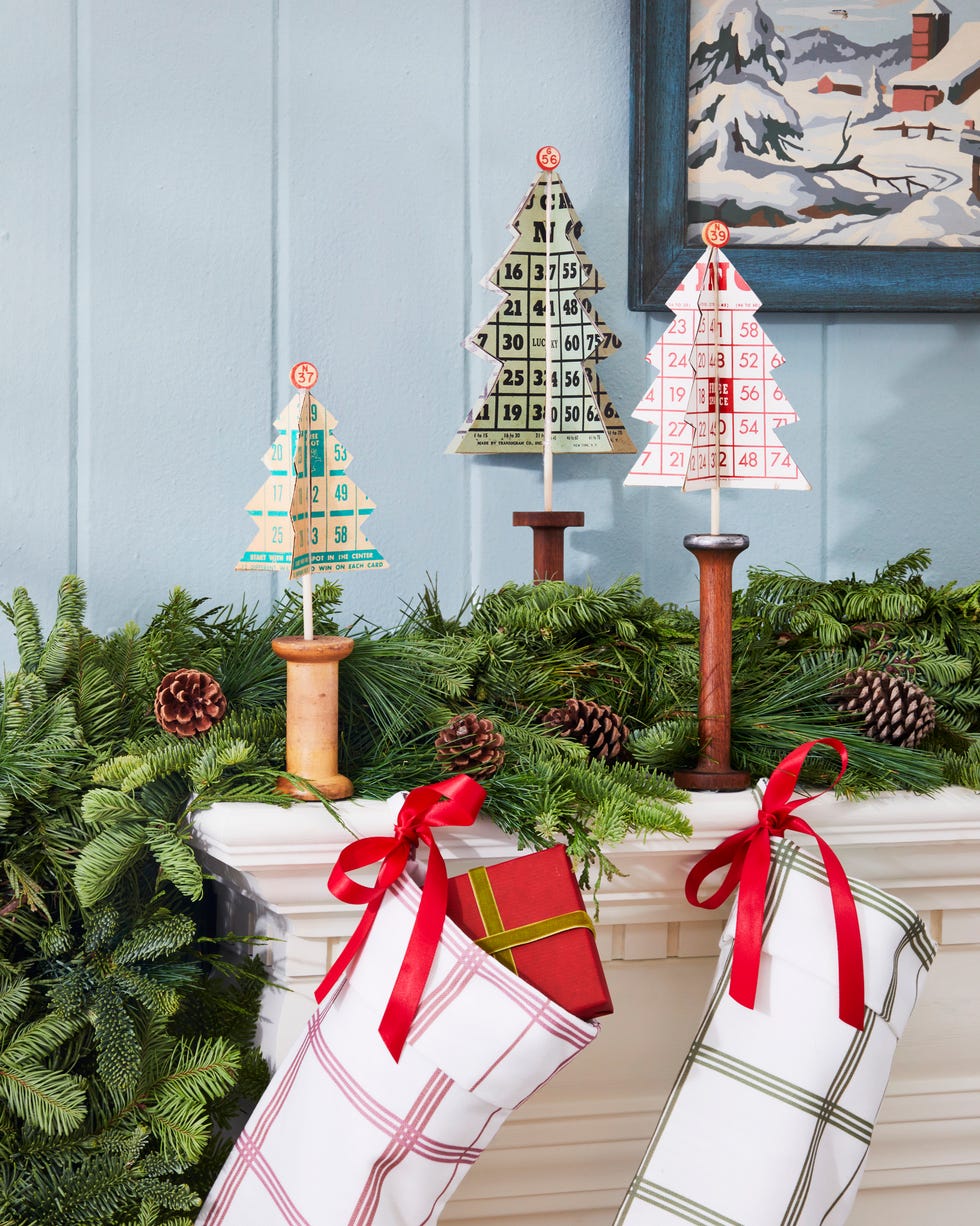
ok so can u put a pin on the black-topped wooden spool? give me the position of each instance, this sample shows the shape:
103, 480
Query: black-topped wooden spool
714, 773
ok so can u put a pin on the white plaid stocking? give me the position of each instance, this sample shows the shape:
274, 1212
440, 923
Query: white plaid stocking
770, 1118
344, 1136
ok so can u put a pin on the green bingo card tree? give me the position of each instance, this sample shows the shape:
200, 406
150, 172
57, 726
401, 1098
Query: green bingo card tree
308, 514
327, 509
545, 339
309, 517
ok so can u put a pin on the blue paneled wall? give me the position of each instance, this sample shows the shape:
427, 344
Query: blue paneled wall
194, 195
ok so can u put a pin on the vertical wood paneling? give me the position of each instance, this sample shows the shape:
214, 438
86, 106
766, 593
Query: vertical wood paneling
175, 294
36, 336
256, 181
371, 266
903, 444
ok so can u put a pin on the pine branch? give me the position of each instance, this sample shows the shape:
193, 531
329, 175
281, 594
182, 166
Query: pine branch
22, 614
45, 1098
106, 858
962, 769
176, 859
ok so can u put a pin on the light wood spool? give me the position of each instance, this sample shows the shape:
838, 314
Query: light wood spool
312, 688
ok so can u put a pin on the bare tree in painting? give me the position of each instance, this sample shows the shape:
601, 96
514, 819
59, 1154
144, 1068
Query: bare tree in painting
875, 106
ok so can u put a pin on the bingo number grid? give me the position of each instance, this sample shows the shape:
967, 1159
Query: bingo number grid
327, 508
733, 362
716, 406
544, 276
664, 459
272, 548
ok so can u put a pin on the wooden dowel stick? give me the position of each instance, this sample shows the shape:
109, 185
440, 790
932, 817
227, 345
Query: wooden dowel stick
716, 488
307, 581
548, 364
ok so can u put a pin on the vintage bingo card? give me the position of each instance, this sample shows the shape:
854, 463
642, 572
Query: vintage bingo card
620, 442
735, 405
327, 509
543, 277
665, 458
272, 548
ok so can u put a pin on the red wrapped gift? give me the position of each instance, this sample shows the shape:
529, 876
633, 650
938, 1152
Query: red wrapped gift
529, 914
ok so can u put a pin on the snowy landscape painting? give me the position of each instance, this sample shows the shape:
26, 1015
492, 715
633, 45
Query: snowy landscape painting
816, 126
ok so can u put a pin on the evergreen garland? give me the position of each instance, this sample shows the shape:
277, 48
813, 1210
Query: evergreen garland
126, 1040
127, 1030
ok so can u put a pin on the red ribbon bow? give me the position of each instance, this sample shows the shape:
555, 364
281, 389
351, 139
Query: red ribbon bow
748, 855
454, 802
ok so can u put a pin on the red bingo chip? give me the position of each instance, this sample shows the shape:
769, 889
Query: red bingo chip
547, 157
715, 234
303, 376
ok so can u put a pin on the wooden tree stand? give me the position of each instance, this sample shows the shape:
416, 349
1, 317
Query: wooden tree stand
549, 539
312, 671
713, 773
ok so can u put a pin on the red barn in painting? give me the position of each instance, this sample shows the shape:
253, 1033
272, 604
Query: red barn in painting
826, 85
943, 67
930, 31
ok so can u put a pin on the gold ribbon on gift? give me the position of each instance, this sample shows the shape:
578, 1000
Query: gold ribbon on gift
499, 940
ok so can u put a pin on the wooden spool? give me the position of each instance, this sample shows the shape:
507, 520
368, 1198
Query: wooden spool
312, 688
713, 773
549, 539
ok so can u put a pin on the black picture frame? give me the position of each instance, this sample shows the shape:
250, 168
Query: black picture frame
913, 279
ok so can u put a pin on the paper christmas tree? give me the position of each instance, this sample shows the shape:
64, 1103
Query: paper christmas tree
544, 331
272, 548
715, 405
309, 514
327, 509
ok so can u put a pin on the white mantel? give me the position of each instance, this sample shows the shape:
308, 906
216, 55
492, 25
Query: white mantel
566, 1156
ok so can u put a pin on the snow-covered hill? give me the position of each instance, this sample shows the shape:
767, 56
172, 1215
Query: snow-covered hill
814, 52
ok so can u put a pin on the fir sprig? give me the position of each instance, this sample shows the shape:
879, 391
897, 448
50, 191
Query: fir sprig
96, 957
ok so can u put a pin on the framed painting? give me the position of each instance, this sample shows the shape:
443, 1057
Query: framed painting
839, 146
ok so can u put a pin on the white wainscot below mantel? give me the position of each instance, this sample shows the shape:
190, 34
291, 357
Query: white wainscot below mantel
565, 1158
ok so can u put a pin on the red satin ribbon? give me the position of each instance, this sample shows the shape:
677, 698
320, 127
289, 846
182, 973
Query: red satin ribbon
748, 855
453, 802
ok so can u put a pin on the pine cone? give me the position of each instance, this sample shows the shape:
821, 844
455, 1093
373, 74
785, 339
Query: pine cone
592, 724
471, 746
895, 710
188, 702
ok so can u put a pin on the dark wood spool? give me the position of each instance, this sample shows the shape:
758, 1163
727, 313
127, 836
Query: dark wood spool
549, 539
713, 773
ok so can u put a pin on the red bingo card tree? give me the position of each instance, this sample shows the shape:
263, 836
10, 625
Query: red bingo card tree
545, 339
715, 408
